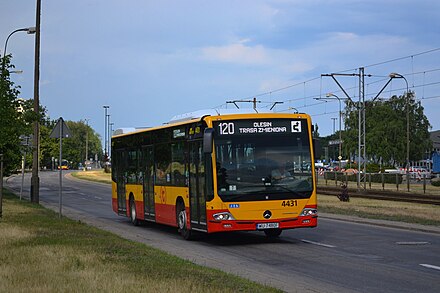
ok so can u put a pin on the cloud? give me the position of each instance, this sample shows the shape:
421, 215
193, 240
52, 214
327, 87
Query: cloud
238, 53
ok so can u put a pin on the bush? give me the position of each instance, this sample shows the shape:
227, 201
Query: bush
375, 177
373, 168
435, 182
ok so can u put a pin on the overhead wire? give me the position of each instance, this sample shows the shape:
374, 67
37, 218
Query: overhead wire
354, 87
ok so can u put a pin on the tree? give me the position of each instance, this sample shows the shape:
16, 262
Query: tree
48, 147
386, 129
11, 125
315, 132
74, 147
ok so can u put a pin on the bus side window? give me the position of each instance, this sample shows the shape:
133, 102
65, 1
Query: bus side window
163, 164
178, 164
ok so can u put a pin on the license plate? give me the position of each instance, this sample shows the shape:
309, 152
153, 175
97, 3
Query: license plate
261, 226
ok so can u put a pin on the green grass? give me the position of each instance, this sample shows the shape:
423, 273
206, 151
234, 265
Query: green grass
95, 176
41, 253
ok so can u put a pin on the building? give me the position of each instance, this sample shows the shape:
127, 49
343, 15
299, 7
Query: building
427, 161
435, 137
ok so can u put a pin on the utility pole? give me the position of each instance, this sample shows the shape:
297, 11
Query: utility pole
87, 140
334, 123
105, 131
110, 131
108, 136
362, 165
361, 156
35, 180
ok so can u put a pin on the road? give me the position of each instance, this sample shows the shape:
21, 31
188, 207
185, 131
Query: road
337, 256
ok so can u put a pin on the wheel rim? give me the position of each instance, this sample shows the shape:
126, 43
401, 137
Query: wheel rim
182, 219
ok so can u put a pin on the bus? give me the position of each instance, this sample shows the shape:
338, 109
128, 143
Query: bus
64, 165
218, 172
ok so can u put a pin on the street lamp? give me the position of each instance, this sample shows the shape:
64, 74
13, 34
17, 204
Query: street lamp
87, 140
330, 96
108, 136
29, 30
334, 120
397, 75
105, 130
110, 131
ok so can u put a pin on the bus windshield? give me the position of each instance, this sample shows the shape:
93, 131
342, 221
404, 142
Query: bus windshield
263, 166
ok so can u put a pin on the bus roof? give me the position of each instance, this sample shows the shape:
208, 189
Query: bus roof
198, 116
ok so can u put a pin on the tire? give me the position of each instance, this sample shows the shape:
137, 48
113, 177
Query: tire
133, 214
182, 222
273, 233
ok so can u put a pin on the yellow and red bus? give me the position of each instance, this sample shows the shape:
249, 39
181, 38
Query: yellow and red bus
217, 173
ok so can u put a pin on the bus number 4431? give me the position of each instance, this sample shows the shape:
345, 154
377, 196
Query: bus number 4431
289, 203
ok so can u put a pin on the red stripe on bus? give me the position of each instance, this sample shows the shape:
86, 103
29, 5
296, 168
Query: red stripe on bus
166, 214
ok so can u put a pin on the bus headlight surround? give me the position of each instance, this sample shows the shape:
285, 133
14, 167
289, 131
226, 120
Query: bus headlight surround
224, 216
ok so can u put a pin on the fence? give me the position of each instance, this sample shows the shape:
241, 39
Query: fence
380, 181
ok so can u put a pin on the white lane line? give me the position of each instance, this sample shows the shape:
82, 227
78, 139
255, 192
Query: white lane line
430, 266
412, 243
318, 243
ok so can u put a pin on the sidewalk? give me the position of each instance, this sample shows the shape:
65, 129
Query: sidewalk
383, 223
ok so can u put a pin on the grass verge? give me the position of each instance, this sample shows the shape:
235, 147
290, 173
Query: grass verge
41, 253
96, 176
424, 214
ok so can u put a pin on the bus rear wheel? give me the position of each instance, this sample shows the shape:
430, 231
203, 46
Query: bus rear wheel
273, 233
133, 218
182, 222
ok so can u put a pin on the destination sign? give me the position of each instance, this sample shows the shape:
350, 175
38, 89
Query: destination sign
259, 127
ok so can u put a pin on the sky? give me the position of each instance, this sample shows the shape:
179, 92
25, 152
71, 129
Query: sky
151, 60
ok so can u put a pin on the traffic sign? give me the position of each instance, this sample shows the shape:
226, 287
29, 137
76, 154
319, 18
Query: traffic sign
26, 140
60, 130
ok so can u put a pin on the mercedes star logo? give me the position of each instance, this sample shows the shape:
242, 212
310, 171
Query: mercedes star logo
267, 214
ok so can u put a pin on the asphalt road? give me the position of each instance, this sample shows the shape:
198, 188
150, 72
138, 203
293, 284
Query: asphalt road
337, 256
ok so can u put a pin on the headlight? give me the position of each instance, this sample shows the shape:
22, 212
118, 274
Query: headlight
223, 216
309, 212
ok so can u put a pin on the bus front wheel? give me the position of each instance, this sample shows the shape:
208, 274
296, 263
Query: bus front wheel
182, 221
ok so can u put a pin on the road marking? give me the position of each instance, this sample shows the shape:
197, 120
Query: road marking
97, 197
430, 266
318, 243
412, 243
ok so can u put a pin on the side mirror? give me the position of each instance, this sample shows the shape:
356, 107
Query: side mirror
317, 150
207, 140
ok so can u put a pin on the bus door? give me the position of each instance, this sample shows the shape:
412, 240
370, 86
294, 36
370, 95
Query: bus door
148, 182
197, 186
121, 181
